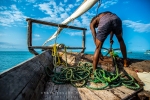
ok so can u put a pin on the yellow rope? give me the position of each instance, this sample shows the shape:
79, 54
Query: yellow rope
55, 54
66, 55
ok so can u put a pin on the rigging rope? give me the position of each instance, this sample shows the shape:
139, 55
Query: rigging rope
99, 4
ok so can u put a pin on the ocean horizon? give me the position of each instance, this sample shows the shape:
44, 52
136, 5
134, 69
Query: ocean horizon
9, 59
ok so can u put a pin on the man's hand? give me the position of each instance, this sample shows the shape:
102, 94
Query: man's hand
111, 41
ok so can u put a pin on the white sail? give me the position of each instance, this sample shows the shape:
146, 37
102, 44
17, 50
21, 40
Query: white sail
85, 6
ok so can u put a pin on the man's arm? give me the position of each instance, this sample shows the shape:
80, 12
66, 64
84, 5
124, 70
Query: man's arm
93, 31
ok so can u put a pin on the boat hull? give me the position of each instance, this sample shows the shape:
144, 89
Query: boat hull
25, 81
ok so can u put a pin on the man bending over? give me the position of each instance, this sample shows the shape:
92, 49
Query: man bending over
107, 22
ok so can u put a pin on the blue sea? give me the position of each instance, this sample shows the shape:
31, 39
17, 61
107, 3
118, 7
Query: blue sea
9, 59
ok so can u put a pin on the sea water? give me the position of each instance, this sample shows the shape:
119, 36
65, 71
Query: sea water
132, 55
9, 59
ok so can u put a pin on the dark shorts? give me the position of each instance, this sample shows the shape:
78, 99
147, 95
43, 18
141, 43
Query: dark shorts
109, 22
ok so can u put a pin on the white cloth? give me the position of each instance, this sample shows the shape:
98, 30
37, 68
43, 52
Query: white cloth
145, 78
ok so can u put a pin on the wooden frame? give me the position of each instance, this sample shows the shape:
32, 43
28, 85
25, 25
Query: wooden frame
29, 38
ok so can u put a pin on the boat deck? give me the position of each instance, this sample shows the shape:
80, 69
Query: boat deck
69, 92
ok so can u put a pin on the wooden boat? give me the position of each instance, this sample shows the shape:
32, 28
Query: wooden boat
29, 81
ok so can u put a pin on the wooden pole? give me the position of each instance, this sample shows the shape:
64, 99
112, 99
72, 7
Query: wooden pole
50, 47
83, 41
29, 42
54, 24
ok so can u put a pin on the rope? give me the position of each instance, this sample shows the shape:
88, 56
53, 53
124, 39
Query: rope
99, 4
81, 75
56, 56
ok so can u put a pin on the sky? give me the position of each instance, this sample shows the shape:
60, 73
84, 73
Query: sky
135, 16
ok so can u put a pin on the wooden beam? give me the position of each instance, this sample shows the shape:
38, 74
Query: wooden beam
54, 24
50, 47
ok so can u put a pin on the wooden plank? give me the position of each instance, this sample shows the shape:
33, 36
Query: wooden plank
86, 94
119, 93
39, 89
105, 94
131, 93
56, 93
60, 92
126, 90
49, 91
73, 93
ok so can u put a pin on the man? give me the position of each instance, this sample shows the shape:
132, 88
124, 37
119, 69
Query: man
107, 22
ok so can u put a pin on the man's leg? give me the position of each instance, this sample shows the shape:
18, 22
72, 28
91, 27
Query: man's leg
123, 48
97, 54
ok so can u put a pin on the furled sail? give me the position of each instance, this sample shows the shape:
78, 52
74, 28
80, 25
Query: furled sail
85, 6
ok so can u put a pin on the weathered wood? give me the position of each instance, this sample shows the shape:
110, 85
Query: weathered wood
105, 94
118, 93
50, 47
21, 81
54, 24
60, 92
131, 93
73, 93
68, 92
125, 90
39, 89
83, 41
86, 94
144, 95
29, 42
48, 92
29, 38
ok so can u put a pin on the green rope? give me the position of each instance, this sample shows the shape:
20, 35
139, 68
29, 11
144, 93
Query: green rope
79, 76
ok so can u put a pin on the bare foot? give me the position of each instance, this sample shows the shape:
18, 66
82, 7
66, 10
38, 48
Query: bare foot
125, 63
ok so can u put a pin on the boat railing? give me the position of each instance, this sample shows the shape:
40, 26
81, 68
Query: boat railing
29, 35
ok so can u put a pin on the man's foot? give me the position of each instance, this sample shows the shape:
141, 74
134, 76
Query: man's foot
125, 63
92, 74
